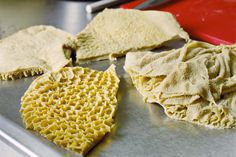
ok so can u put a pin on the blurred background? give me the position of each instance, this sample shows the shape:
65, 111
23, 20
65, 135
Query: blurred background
203, 20
67, 15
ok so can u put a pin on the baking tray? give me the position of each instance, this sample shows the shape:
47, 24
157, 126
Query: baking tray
142, 129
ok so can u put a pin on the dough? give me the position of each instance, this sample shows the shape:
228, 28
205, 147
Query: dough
32, 51
73, 107
196, 83
114, 32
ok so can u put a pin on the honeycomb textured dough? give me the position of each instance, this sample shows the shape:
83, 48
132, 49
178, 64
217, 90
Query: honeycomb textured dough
73, 107
196, 83
32, 51
114, 32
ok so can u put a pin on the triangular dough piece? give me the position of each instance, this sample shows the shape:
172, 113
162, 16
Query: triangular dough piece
196, 83
114, 32
32, 51
73, 107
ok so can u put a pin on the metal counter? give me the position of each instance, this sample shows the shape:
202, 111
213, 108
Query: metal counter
141, 129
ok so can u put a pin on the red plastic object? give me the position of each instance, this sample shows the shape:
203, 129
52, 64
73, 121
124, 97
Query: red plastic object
132, 4
213, 21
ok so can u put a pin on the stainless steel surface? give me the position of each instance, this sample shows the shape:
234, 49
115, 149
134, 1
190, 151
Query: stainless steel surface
102, 4
8, 151
142, 129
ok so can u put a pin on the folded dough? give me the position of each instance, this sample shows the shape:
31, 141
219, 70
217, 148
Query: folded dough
32, 51
196, 83
114, 32
73, 107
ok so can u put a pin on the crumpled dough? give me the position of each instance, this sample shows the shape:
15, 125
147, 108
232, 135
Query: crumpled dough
196, 83
114, 32
32, 51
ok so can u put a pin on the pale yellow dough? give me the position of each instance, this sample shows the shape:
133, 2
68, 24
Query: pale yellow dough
114, 32
73, 107
196, 83
32, 51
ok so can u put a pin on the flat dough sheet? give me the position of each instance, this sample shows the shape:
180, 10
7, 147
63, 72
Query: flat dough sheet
196, 83
114, 32
32, 51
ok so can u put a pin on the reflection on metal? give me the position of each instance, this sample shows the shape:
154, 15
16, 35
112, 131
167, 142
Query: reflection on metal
73, 15
16, 144
22, 141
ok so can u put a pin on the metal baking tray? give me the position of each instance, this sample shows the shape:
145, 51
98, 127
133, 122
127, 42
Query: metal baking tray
142, 129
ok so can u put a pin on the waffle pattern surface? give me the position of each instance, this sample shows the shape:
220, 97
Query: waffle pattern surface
73, 107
